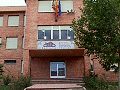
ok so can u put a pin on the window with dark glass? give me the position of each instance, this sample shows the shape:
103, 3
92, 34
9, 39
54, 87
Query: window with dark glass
40, 34
55, 34
63, 34
70, 34
48, 34
44, 34
10, 61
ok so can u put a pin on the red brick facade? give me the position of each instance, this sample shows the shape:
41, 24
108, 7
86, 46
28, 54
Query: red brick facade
39, 67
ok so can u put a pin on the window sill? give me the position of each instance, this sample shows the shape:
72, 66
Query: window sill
56, 40
13, 26
11, 49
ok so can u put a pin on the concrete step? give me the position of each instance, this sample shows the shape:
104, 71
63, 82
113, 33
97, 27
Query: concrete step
57, 81
55, 87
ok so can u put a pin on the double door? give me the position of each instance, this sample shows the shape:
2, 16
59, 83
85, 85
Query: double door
57, 70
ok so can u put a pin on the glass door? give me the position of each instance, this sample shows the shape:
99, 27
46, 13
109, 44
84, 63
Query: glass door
57, 69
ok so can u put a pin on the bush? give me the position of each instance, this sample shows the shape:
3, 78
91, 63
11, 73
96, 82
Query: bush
6, 80
22, 82
95, 83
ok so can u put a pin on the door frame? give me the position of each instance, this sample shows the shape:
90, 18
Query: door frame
57, 62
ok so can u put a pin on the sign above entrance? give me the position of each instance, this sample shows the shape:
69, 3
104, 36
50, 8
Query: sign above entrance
56, 45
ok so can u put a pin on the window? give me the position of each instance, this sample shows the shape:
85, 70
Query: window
1, 21
55, 32
11, 43
0, 42
44, 32
22, 66
66, 5
46, 6
13, 21
10, 62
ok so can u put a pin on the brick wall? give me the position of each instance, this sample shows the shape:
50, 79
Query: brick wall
40, 67
16, 54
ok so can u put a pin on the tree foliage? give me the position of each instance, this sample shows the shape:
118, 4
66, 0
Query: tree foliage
97, 30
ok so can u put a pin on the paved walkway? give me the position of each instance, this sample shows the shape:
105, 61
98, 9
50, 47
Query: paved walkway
55, 87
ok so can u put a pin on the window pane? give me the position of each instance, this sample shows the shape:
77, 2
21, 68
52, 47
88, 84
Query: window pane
1, 21
64, 34
10, 61
48, 34
70, 34
40, 34
11, 43
53, 69
13, 21
66, 5
45, 6
55, 34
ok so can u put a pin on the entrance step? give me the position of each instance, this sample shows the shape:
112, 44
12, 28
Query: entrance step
55, 87
58, 81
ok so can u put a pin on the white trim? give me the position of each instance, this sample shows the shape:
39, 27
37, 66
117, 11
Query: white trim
57, 70
22, 66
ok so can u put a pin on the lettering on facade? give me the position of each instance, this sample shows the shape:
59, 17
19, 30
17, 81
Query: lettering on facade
56, 45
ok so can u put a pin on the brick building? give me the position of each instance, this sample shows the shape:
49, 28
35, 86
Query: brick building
39, 44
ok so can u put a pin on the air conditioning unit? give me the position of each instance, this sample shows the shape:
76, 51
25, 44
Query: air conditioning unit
68, 11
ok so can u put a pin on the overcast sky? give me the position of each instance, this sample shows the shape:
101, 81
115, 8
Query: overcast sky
12, 3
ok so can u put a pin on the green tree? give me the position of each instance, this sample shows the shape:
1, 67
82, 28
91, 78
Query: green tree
97, 30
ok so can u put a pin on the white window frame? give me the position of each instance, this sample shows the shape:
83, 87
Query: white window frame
23, 42
22, 66
57, 70
58, 4
13, 24
7, 43
56, 28
1, 21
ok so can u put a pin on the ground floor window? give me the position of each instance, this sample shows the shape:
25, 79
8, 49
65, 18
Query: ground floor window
10, 62
57, 70
55, 32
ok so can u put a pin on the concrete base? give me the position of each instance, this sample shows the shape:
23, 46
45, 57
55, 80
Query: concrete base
55, 87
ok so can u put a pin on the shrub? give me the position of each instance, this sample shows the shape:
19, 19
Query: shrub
22, 82
95, 83
6, 80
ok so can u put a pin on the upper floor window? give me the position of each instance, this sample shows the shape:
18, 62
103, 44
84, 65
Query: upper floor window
55, 32
13, 21
11, 43
46, 6
1, 21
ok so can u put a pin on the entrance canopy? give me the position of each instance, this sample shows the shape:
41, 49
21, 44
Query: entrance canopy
56, 52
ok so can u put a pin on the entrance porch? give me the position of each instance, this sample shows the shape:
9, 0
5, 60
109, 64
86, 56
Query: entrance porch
57, 63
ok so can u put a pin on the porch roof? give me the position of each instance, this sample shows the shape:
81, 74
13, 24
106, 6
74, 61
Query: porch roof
56, 53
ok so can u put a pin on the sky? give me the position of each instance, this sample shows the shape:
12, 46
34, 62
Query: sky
12, 3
